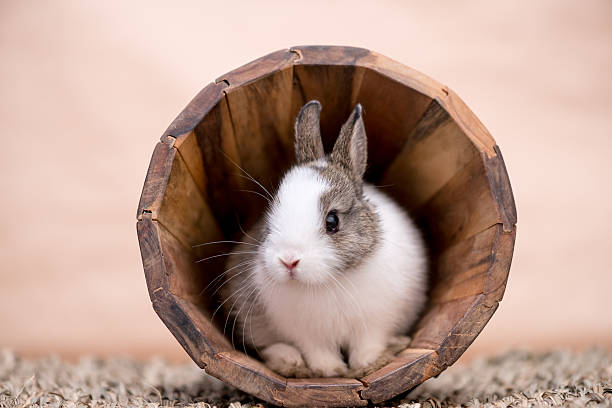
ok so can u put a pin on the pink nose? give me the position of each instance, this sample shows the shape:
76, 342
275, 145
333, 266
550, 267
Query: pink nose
290, 264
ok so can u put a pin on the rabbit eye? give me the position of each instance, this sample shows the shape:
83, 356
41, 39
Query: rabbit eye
332, 222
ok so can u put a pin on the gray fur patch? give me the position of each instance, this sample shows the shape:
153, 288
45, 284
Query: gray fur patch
351, 148
359, 233
308, 143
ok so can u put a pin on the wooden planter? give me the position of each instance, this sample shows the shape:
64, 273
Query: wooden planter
425, 145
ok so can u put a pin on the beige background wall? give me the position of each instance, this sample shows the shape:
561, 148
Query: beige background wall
87, 87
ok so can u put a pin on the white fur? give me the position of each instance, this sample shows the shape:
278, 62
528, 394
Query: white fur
294, 221
320, 311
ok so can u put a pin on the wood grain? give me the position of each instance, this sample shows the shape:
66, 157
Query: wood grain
196, 110
409, 368
260, 117
463, 207
189, 149
387, 129
322, 392
246, 374
184, 210
450, 326
156, 179
335, 84
463, 269
468, 122
166, 273
221, 160
432, 154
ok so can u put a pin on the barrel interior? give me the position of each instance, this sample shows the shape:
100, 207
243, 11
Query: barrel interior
419, 153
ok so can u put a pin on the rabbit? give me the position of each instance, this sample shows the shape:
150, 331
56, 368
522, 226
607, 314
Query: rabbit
335, 266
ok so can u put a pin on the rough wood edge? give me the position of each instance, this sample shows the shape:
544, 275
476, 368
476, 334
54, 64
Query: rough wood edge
156, 179
467, 121
246, 374
330, 392
257, 69
474, 321
195, 110
410, 368
501, 189
167, 305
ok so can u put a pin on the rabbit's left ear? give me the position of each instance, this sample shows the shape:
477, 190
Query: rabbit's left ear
351, 148
308, 143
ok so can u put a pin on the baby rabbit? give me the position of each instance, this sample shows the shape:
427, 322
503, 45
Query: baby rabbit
335, 265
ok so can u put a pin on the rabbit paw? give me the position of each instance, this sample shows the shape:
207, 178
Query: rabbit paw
284, 359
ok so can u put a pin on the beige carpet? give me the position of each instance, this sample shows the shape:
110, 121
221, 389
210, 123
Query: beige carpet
512, 379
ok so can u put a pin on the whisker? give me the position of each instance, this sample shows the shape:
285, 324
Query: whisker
225, 273
226, 254
252, 179
225, 301
239, 311
223, 242
247, 173
250, 269
258, 193
267, 284
245, 233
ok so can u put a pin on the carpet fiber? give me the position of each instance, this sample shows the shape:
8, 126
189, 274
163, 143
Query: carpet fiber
511, 379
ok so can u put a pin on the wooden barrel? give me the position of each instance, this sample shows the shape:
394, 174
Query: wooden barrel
425, 145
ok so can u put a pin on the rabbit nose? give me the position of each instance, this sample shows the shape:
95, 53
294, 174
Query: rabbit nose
290, 263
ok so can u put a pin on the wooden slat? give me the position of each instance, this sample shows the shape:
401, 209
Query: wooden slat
164, 271
462, 270
329, 54
151, 253
171, 196
388, 128
433, 153
185, 277
501, 189
335, 84
246, 374
189, 149
156, 179
503, 250
262, 126
194, 333
438, 322
321, 392
183, 211
259, 68
468, 122
409, 368
221, 159
451, 326
403, 74
463, 207
193, 113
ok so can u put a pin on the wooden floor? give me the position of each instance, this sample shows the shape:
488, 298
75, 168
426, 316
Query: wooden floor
88, 88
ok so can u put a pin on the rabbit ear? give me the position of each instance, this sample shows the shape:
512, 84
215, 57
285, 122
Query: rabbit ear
308, 144
351, 148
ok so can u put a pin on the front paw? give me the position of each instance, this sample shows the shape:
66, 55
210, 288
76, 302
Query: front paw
327, 365
364, 358
284, 359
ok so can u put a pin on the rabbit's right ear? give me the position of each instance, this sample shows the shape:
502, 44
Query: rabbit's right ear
308, 143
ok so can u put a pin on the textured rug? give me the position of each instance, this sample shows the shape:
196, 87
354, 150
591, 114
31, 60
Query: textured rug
517, 378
